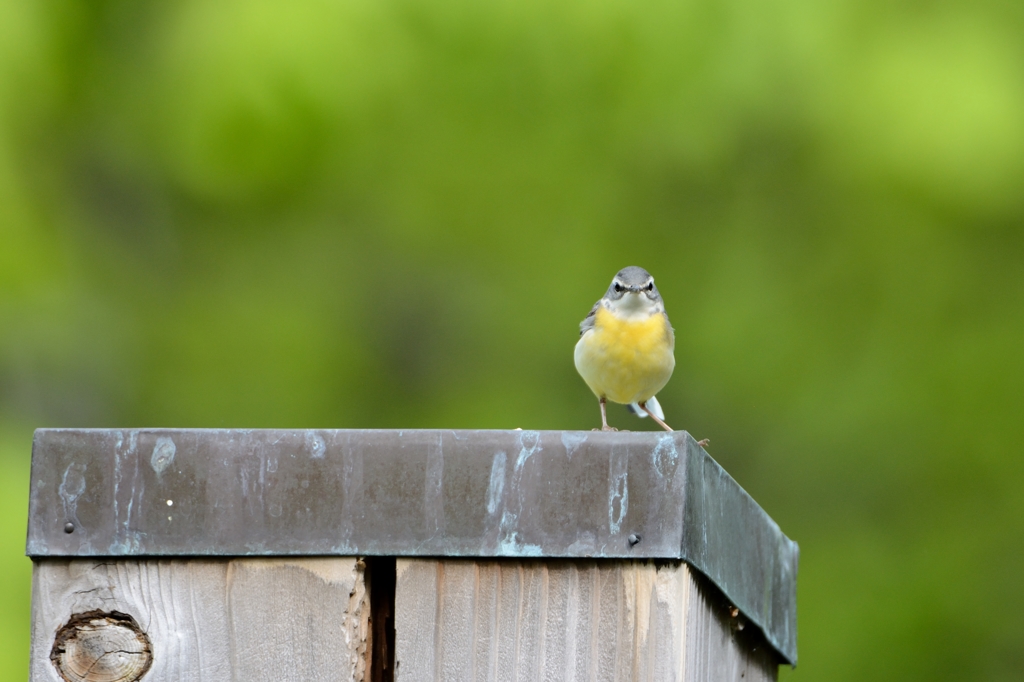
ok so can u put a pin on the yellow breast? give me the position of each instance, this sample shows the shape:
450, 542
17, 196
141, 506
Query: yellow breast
626, 360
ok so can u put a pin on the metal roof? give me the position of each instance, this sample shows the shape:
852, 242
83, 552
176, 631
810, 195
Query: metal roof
577, 494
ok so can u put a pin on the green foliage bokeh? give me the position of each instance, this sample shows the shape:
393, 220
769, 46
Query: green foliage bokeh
394, 214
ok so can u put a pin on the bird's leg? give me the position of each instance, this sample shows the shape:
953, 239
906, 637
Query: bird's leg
703, 442
643, 406
604, 417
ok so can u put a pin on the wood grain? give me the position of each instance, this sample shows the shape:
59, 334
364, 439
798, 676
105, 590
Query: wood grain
250, 620
526, 621
98, 646
456, 620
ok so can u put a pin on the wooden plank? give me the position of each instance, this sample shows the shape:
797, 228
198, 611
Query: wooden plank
720, 646
609, 621
207, 620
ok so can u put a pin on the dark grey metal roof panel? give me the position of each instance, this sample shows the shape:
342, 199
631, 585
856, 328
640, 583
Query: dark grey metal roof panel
203, 492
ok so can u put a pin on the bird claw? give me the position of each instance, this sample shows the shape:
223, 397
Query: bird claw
703, 442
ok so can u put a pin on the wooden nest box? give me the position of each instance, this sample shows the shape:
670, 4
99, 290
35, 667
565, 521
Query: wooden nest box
305, 555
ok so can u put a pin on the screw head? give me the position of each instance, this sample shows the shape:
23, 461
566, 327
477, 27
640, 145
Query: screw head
634, 539
69, 527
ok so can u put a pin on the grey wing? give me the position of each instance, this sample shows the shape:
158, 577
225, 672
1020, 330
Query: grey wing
588, 322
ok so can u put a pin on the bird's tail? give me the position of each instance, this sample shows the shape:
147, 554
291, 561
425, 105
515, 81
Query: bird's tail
652, 404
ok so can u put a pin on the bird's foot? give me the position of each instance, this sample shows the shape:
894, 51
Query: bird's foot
703, 442
661, 423
608, 428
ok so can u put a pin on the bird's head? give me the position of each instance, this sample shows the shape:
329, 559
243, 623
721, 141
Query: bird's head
632, 289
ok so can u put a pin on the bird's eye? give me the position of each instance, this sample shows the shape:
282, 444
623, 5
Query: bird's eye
650, 286
618, 287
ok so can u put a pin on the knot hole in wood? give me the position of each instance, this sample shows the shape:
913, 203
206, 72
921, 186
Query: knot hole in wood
99, 646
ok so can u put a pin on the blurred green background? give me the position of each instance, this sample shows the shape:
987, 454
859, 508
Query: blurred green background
395, 213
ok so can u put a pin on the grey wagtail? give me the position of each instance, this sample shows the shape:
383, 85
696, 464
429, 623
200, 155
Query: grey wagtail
625, 351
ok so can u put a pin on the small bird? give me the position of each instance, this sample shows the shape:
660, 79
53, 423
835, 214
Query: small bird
625, 351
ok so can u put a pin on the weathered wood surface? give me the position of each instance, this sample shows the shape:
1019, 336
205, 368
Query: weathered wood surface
511, 621
248, 620
101, 647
